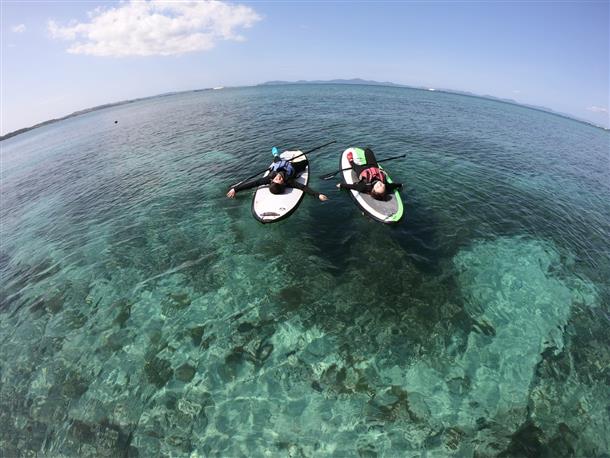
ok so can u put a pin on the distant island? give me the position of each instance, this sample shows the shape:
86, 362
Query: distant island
339, 81
353, 81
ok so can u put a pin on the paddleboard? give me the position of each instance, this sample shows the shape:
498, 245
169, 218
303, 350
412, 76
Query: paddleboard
389, 211
271, 208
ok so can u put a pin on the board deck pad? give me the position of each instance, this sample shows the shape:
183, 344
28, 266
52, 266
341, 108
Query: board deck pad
270, 208
388, 211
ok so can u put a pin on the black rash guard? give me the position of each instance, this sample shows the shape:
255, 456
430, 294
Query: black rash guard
299, 168
290, 182
363, 186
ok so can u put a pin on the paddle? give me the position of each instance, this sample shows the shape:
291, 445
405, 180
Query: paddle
328, 176
291, 159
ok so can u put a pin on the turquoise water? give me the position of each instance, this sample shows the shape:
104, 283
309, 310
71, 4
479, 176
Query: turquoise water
145, 314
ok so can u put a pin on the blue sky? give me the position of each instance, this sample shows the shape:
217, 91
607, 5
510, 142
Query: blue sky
59, 57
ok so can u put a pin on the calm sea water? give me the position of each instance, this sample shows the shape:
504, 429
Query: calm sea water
145, 314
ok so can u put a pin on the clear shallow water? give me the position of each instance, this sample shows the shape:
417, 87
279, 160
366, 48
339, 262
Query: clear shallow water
142, 313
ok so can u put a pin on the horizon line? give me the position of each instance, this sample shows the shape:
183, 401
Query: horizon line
337, 81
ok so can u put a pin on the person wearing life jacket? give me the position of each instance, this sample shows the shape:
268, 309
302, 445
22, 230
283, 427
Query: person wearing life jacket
372, 180
283, 174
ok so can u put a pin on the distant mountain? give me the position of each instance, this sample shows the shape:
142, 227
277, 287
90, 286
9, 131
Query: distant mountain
338, 81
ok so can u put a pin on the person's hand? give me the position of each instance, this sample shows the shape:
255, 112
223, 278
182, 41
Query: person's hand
231, 193
323, 197
338, 185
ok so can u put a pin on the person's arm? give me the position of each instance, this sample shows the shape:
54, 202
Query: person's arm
306, 189
359, 186
248, 185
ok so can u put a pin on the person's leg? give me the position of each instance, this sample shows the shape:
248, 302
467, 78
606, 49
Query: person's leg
358, 168
370, 161
300, 166
369, 156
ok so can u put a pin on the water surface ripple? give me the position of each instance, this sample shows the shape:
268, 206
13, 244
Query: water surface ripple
142, 313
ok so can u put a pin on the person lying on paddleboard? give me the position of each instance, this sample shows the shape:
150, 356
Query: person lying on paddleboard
283, 174
372, 180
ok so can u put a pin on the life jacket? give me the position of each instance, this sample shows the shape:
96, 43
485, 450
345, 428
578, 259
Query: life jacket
372, 174
284, 165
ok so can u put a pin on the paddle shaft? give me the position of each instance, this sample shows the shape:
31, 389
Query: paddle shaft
291, 159
328, 176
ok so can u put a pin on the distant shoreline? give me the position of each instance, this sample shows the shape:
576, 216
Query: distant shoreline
89, 110
76, 113
354, 81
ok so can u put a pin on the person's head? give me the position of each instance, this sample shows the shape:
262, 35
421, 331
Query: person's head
278, 183
279, 178
378, 191
276, 188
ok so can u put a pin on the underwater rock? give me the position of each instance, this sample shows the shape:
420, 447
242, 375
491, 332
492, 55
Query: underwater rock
180, 300
173, 425
316, 350
185, 373
82, 431
516, 306
390, 405
117, 340
516, 310
74, 385
418, 409
263, 352
197, 335
452, 437
106, 439
316, 386
54, 303
235, 364
245, 327
459, 386
526, 441
124, 307
290, 297
174, 303
158, 371
366, 449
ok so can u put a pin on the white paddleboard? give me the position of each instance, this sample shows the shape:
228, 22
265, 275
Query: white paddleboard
270, 208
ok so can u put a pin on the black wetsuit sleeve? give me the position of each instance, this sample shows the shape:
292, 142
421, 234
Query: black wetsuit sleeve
392, 186
302, 187
253, 183
360, 186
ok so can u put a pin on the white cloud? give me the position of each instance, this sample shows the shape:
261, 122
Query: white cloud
18, 28
595, 109
149, 28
